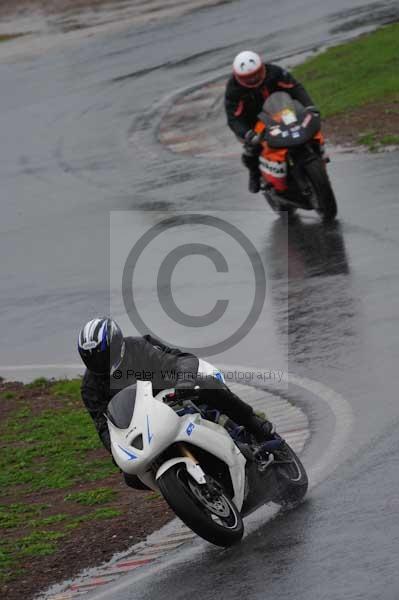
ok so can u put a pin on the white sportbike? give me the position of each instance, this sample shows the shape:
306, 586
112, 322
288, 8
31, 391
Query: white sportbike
210, 475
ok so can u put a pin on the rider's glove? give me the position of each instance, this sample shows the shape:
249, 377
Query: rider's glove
252, 139
184, 393
313, 110
181, 394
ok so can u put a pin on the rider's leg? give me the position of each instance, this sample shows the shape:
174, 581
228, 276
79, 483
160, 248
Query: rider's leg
217, 395
250, 158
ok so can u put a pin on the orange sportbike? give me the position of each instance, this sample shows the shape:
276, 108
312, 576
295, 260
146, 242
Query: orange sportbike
291, 161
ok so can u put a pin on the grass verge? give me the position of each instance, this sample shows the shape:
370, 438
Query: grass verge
356, 87
59, 490
47, 444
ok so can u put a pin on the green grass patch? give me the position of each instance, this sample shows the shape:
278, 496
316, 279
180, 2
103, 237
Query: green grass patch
373, 140
363, 71
49, 450
97, 515
43, 450
104, 513
38, 383
8, 395
19, 514
67, 388
368, 139
52, 520
389, 140
98, 496
38, 543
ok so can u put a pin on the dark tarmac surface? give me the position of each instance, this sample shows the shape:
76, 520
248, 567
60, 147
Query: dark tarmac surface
79, 141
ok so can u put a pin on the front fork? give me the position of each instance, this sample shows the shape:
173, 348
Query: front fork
186, 452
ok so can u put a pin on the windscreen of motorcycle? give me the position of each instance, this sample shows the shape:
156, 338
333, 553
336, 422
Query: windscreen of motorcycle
121, 407
281, 108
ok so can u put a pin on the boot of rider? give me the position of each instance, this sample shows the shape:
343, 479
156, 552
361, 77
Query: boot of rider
254, 181
252, 164
262, 429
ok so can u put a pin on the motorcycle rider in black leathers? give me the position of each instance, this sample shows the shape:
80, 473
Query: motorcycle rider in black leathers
249, 86
114, 362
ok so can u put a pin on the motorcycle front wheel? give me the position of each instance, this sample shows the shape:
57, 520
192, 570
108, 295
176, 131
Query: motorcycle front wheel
204, 508
325, 204
284, 210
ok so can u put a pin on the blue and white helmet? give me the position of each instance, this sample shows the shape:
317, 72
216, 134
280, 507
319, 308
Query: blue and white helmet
101, 345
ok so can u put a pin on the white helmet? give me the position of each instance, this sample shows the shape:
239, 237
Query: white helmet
248, 69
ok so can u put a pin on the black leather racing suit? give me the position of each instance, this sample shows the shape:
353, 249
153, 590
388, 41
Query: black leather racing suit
148, 359
243, 105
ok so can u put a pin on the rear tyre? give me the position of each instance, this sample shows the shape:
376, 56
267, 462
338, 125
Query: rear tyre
326, 204
205, 508
292, 480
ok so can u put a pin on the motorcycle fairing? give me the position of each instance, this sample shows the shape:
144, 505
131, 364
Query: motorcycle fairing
158, 427
285, 123
280, 135
273, 166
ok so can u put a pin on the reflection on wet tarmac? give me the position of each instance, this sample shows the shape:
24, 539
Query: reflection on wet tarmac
314, 249
318, 317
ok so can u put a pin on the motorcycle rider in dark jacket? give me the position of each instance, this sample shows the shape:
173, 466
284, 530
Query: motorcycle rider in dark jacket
249, 86
114, 362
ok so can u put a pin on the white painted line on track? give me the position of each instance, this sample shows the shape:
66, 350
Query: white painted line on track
343, 414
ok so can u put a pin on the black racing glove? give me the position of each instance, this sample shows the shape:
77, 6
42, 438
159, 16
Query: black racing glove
252, 139
180, 396
313, 109
187, 393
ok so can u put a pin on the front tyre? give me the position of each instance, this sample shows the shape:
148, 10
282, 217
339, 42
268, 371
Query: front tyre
205, 508
326, 204
284, 210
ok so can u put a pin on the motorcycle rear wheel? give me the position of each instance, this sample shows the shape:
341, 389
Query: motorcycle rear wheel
326, 203
204, 508
292, 480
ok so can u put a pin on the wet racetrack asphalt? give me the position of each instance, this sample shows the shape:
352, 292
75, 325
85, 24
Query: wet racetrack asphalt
80, 140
